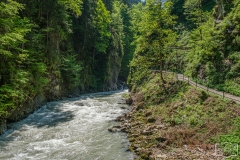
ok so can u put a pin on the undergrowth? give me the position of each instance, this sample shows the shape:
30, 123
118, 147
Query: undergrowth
192, 116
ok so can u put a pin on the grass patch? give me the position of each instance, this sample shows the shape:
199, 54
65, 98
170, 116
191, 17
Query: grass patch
125, 95
230, 87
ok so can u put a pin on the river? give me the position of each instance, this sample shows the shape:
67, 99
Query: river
71, 129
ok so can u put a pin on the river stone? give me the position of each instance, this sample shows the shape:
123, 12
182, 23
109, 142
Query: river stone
118, 119
2, 126
135, 135
117, 127
138, 150
132, 139
124, 129
114, 129
151, 120
129, 101
140, 106
161, 139
144, 132
79, 103
136, 146
148, 114
162, 156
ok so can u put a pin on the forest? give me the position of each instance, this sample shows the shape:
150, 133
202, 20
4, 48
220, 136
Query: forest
62, 48
172, 119
199, 38
51, 49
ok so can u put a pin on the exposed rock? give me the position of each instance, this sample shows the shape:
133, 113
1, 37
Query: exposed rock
148, 114
124, 129
2, 125
118, 119
135, 135
131, 139
129, 101
161, 139
122, 102
180, 104
117, 127
144, 132
163, 156
79, 103
136, 146
114, 129
161, 126
140, 106
138, 150
70, 96
27, 108
151, 120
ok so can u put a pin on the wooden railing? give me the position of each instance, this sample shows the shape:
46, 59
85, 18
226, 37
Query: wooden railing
182, 77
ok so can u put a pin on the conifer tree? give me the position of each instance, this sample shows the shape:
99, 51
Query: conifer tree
156, 36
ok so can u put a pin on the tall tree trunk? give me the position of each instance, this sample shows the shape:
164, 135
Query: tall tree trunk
200, 21
47, 32
161, 71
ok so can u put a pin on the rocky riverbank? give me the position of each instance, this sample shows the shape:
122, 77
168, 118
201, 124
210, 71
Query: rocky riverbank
147, 143
186, 124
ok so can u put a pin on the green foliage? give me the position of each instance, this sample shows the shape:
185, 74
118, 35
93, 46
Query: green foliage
65, 43
208, 51
193, 9
230, 142
73, 5
230, 86
31, 39
127, 41
14, 77
71, 68
101, 22
125, 95
153, 37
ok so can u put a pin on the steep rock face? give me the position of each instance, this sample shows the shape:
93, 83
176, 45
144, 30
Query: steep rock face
114, 69
56, 90
2, 125
27, 108
114, 62
23, 110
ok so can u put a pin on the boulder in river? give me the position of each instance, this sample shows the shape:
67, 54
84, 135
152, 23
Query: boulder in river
79, 103
129, 101
114, 129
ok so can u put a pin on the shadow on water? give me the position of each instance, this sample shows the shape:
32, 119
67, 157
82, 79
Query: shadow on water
101, 94
48, 116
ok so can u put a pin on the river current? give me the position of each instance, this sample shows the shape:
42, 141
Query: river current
71, 129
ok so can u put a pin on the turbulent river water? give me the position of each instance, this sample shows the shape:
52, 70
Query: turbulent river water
72, 129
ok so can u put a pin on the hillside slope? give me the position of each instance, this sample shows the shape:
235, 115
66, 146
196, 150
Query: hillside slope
178, 121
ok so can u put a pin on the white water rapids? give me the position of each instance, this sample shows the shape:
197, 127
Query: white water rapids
72, 129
